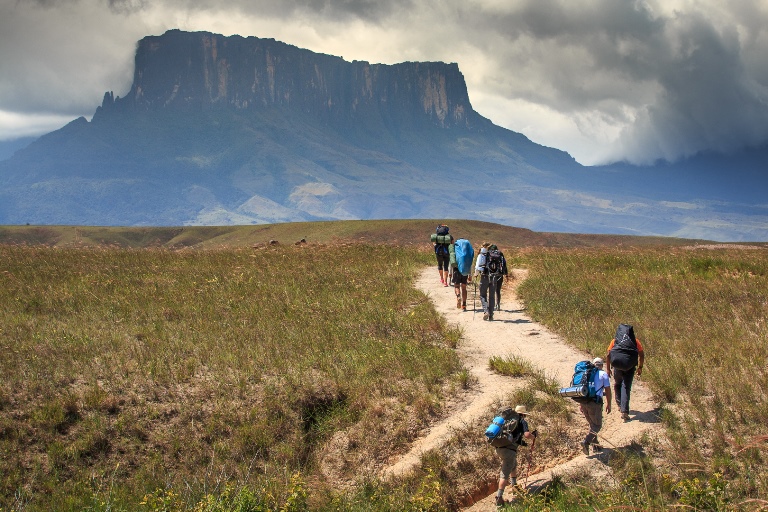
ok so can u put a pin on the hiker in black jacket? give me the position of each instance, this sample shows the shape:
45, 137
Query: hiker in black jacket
500, 278
487, 285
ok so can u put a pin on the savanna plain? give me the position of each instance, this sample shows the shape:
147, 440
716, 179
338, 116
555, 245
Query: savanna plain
207, 369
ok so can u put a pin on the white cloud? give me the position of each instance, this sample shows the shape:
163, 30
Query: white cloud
15, 126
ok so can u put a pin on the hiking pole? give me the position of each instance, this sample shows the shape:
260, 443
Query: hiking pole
530, 458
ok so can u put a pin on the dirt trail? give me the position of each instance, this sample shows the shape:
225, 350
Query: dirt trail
514, 333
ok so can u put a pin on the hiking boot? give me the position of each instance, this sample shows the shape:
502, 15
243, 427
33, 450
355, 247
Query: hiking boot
458, 301
464, 307
584, 448
485, 316
490, 318
625, 416
500, 501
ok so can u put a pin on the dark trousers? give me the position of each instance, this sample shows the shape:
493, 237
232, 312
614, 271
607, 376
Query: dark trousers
622, 387
488, 292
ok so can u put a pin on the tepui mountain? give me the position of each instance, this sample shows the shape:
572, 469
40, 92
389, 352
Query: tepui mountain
241, 130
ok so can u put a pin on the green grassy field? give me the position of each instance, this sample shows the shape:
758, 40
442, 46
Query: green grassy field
204, 369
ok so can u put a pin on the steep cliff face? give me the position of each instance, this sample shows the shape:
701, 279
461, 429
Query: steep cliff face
204, 70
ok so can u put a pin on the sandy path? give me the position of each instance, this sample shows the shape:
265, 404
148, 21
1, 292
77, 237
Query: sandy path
513, 333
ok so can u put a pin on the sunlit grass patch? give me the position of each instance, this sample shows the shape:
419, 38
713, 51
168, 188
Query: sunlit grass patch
511, 366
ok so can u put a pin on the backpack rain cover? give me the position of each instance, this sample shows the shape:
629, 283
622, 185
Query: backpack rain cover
464, 256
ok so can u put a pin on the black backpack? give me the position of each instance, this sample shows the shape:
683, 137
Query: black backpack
442, 229
624, 354
494, 261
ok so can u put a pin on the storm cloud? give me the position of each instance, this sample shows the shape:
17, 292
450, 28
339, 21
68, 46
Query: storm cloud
604, 80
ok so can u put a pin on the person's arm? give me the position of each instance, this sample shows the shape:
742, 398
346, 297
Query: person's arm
608, 358
641, 358
607, 394
529, 435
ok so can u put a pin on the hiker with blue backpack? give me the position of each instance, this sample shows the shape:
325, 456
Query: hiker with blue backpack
626, 357
506, 433
592, 408
462, 254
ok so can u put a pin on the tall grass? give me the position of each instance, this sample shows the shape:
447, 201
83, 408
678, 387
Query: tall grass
281, 378
702, 316
137, 370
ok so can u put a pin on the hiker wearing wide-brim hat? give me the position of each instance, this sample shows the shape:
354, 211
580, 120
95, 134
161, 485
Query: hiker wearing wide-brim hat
508, 454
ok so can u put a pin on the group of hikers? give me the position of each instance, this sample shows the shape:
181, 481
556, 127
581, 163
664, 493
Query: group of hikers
591, 384
624, 359
455, 259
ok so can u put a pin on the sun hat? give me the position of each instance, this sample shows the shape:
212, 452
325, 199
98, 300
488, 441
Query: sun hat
486, 244
520, 409
597, 361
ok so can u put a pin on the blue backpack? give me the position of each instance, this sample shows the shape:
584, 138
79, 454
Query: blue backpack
464, 256
583, 386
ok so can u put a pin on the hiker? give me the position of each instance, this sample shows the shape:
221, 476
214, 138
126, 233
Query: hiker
625, 356
508, 454
593, 409
500, 278
488, 269
461, 252
441, 240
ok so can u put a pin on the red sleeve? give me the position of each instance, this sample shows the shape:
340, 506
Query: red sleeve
611, 345
639, 346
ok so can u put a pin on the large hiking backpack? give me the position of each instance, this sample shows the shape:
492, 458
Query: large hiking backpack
583, 386
624, 354
503, 429
464, 256
494, 262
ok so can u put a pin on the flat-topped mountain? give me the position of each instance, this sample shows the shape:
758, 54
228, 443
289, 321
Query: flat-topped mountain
243, 130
